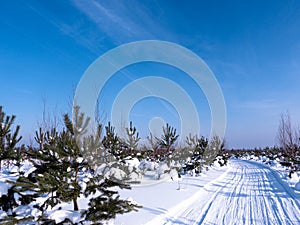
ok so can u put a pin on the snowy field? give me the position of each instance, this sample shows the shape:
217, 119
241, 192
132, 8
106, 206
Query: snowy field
245, 192
166, 199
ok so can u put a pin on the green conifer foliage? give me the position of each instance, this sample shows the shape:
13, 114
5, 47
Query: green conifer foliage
56, 173
197, 145
11, 220
169, 137
132, 138
112, 142
93, 150
58, 164
215, 146
8, 138
108, 204
153, 142
40, 138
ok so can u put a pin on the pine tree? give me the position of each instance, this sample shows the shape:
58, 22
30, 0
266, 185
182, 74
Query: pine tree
153, 141
56, 174
112, 142
116, 152
215, 146
57, 166
165, 150
132, 138
93, 150
154, 145
8, 138
169, 137
19, 155
40, 138
167, 142
56, 178
75, 133
108, 204
8, 151
197, 147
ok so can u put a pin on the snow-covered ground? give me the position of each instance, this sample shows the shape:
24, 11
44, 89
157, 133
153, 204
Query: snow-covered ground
246, 192
243, 192
166, 197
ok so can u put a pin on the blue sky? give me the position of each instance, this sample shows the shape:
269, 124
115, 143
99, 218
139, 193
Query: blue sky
253, 48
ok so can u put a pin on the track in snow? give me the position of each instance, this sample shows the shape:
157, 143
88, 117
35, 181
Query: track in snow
248, 193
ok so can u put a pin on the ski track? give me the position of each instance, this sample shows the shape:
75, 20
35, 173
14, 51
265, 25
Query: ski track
248, 193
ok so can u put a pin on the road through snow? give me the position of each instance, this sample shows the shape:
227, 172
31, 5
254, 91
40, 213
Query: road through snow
248, 193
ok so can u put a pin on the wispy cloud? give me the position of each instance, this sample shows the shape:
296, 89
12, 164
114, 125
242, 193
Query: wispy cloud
123, 23
118, 21
88, 39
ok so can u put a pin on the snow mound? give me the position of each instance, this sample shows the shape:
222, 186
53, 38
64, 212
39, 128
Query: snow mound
60, 215
294, 178
116, 173
134, 162
147, 165
297, 186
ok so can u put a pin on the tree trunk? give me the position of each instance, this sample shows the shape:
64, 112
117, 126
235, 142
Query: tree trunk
75, 204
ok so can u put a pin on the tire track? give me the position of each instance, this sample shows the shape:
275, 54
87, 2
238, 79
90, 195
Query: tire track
248, 193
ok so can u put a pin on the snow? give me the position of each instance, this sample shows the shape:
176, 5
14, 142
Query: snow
115, 172
297, 186
60, 215
147, 165
27, 210
246, 193
134, 162
294, 178
243, 192
3, 187
161, 198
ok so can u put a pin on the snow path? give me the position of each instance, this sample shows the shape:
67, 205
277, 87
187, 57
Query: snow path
164, 197
248, 193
